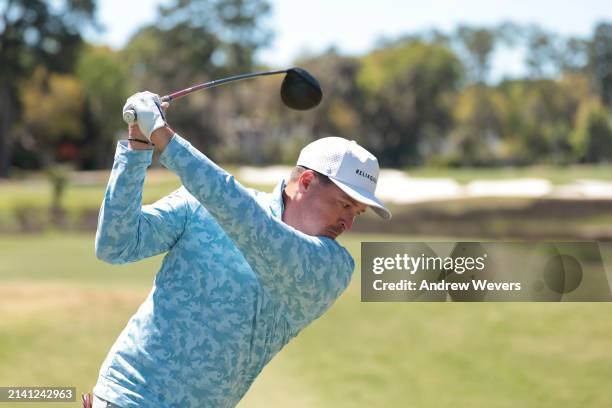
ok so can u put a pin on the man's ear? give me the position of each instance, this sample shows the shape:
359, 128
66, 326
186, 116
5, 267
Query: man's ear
305, 180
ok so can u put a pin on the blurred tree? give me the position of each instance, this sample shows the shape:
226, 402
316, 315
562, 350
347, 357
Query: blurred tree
237, 24
537, 118
477, 45
541, 52
34, 32
600, 61
573, 56
103, 76
407, 99
340, 112
475, 137
509, 33
59, 177
549, 55
52, 115
592, 136
192, 42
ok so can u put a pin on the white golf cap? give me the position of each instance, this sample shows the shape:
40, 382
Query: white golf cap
349, 166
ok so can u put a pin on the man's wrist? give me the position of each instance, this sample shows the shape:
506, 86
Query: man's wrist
161, 137
139, 144
134, 156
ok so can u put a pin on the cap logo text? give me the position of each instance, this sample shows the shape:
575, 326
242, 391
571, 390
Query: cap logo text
366, 175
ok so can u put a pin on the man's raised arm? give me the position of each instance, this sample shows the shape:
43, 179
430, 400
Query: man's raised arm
127, 231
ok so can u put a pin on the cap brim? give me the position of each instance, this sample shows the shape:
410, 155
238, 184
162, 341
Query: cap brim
364, 197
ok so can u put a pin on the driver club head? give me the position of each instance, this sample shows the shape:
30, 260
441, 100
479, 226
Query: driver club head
300, 90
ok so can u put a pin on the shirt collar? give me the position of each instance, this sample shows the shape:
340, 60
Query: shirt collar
277, 205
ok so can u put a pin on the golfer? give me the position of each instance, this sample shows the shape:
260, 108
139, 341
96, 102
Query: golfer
244, 271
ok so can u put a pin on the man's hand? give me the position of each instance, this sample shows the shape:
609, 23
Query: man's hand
159, 137
149, 113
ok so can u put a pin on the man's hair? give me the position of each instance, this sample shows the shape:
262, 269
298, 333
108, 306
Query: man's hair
298, 170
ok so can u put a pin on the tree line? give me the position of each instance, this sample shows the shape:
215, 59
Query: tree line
426, 98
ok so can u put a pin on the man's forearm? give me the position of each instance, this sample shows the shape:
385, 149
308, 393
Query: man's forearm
120, 211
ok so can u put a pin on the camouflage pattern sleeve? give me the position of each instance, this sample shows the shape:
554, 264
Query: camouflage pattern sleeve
305, 274
128, 231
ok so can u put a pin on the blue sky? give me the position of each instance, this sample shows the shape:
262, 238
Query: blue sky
355, 26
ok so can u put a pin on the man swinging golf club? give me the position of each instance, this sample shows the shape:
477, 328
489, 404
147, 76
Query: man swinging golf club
244, 272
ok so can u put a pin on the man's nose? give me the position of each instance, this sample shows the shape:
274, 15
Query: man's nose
348, 222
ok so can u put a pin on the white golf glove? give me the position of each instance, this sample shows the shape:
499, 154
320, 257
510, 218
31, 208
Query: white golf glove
149, 114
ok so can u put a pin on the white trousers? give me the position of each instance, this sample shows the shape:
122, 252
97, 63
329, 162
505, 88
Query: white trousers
100, 403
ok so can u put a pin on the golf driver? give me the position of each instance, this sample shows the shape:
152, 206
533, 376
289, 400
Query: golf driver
299, 90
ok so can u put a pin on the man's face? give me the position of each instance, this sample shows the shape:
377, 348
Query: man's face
325, 209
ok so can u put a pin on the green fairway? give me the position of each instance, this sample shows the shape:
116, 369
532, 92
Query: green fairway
62, 309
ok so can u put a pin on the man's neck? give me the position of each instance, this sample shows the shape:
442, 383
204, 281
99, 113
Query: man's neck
288, 194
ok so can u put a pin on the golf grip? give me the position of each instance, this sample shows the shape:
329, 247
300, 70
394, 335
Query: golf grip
129, 116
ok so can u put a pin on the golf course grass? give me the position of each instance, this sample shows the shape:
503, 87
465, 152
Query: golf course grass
61, 310
555, 174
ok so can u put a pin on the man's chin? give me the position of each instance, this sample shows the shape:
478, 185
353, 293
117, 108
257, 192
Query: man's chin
327, 232
332, 233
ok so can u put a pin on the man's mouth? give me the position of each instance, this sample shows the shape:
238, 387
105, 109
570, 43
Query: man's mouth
335, 231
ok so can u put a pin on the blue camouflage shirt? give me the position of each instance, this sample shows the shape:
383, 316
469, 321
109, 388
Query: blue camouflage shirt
235, 286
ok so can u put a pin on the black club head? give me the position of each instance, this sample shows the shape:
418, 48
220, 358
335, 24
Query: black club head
300, 90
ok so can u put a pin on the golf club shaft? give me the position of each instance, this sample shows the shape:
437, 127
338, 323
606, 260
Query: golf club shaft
129, 116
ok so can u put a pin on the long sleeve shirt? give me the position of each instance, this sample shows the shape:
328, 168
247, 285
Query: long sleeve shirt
235, 286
